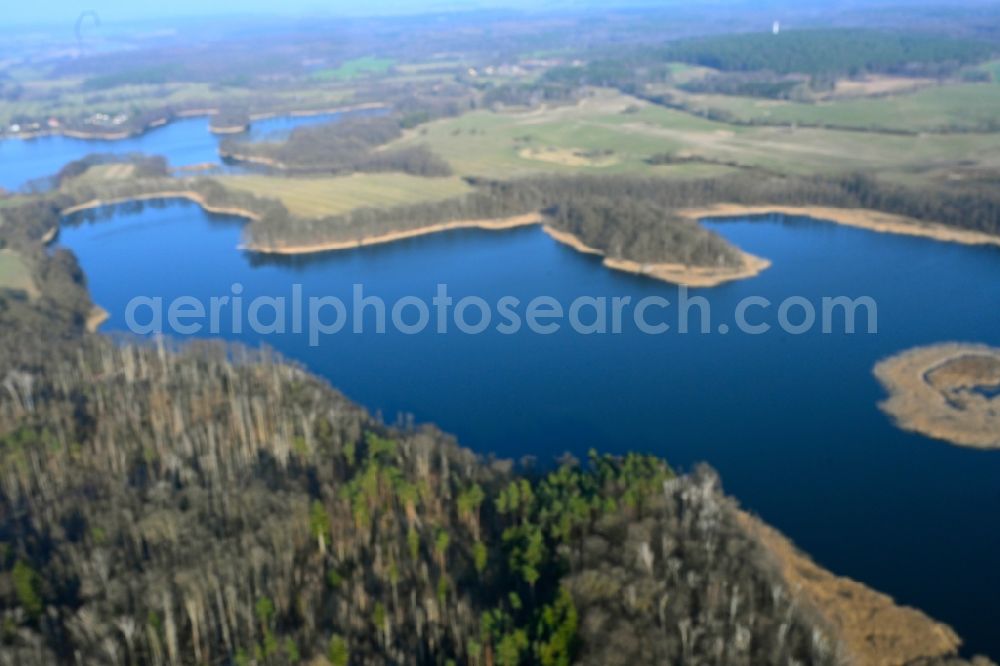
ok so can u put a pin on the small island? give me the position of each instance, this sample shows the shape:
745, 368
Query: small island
949, 391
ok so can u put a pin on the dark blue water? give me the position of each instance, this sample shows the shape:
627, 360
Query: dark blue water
186, 142
790, 421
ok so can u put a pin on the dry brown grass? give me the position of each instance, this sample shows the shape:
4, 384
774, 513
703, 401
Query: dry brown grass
316, 197
876, 85
874, 630
935, 391
569, 157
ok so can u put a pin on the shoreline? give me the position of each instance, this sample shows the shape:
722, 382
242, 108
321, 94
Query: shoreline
674, 273
189, 195
95, 318
952, 413
859, 218
491, 224
679, 274
873, 628
181, 115
229, 129
252, 159
306, 113
691, 276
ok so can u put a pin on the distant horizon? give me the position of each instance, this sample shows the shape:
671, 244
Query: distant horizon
58, 12
122, 11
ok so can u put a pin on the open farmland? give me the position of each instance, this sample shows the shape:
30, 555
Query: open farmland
594, 136
320, 197
960, 106
355, 68
40, 99
620, 133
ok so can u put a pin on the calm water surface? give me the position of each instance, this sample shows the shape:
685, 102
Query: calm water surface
790, 421
185, 142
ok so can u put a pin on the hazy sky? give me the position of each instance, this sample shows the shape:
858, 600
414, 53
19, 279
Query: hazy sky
57, 11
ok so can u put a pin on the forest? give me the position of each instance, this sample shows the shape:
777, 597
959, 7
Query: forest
345, 146
762, 64
133, 474
752, 84
844, 52
643, 229
626, 217
640, 231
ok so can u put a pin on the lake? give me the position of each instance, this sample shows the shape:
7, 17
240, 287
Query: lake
790, 421
186, 142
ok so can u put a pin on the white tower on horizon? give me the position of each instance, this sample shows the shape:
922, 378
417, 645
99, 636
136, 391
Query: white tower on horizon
776, 28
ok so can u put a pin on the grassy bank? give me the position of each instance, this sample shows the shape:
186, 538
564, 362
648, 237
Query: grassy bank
323, 196
610, 133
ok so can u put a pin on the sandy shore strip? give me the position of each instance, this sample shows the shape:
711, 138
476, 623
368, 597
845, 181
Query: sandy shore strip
691, 276
305, 113
95, 318
229, 129
496, 224
932, 391
681, 274
178, 194
50, 235
860, 218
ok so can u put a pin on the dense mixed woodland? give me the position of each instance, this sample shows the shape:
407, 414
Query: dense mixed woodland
640, 230
625, 217
755, 63
824, 52
34, 330
215, 505
209, 506
340, 147
640, 225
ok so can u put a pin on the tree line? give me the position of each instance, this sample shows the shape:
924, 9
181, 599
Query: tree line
633, 216
215, 505
839, 51
627, 217
345, 146
774, 66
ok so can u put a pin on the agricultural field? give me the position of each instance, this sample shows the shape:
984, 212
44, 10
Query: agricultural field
101, 173
590, 137
681, 72
15, 273
334, 195
874, 86
137, 99
356, 68
957, 106
51, 99
993, 69
613, 133
430, 66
